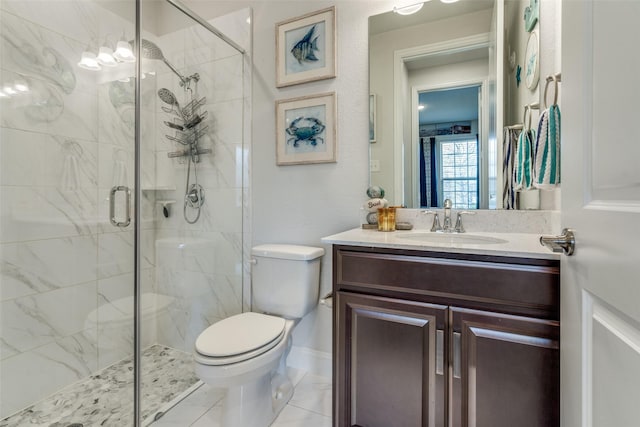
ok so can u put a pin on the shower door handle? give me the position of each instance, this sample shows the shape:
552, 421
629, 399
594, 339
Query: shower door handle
112, 206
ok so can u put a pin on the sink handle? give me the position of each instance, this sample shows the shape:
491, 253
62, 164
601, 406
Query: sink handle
459, 228
436, 220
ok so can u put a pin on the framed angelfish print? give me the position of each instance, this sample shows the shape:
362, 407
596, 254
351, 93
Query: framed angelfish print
306, 48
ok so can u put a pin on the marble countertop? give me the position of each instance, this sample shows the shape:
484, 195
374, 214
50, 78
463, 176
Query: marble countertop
522, 245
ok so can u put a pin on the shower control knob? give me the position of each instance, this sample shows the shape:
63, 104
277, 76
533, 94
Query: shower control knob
195, 196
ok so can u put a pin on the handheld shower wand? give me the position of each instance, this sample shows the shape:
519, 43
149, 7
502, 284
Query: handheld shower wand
168, 97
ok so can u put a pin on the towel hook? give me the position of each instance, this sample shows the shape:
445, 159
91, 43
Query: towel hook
526, 126
555, 79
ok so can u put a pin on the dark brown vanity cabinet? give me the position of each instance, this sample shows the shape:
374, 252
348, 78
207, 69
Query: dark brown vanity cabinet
439, 339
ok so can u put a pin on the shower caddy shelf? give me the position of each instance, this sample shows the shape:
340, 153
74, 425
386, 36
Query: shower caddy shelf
190, 130
189, 126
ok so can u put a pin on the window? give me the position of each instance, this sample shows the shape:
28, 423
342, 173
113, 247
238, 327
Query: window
458, 172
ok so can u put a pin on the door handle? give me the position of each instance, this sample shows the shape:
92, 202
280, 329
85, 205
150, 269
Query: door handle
112, 206
566, 242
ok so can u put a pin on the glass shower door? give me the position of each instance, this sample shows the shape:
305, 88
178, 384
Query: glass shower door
193, 186
67, 138
73, 120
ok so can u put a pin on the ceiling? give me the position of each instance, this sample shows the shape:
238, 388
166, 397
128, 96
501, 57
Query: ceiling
449, 105
433, 10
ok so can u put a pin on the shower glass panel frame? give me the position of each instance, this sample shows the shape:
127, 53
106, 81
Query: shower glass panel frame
92, 294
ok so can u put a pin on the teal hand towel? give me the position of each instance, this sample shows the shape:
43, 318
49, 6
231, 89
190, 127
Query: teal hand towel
522, 172
546, 169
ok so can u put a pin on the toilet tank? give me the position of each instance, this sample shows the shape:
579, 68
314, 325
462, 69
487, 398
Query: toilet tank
285, 279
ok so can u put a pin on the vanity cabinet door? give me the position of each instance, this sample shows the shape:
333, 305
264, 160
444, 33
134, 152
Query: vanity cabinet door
505, 370
390, 362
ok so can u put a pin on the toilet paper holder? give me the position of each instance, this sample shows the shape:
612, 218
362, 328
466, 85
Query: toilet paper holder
327, 300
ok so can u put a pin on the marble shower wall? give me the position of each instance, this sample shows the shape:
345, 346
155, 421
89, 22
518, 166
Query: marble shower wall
66, 274
200, 265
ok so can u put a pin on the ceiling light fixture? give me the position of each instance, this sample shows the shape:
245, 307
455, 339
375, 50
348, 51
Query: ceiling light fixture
449, 1
105, 57
89, 61
408, 10
123, 52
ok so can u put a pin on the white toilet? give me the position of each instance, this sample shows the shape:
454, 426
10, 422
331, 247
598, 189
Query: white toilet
246, 353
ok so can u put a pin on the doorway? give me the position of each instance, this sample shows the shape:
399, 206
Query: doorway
447, 131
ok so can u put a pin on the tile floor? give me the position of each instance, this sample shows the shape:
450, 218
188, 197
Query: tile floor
105, 398
310, 406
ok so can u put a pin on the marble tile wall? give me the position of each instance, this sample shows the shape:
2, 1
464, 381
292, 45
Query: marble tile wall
66, 274
200, 265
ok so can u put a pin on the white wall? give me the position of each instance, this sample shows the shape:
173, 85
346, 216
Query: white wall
448, 74
301, 204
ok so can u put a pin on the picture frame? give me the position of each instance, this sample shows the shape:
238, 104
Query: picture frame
373, 130
306, 130
531, 61
306, 48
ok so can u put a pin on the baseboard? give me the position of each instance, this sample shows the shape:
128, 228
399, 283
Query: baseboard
310, 360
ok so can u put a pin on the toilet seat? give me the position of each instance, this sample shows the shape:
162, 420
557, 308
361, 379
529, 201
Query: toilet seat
239, 338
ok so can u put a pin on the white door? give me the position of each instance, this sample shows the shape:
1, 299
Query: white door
600, 310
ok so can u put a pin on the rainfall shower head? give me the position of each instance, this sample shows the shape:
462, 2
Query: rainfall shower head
151, 51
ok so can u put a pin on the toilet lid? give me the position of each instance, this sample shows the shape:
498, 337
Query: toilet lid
239, 334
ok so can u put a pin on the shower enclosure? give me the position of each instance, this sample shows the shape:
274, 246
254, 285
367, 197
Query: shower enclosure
123, 183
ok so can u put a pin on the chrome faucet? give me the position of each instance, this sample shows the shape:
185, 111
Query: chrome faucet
446, 223
446, 226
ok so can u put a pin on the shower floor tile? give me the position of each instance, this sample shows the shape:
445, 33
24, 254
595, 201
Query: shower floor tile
106, 398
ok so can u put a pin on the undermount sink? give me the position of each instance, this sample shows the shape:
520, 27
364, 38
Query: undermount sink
452, 238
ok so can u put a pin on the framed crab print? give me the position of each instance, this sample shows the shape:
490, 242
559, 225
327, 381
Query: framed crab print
306, 48
306, 130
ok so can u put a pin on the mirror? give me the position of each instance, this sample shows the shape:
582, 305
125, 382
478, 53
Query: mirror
444, 86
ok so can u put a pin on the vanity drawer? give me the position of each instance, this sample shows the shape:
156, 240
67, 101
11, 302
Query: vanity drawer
520, 286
